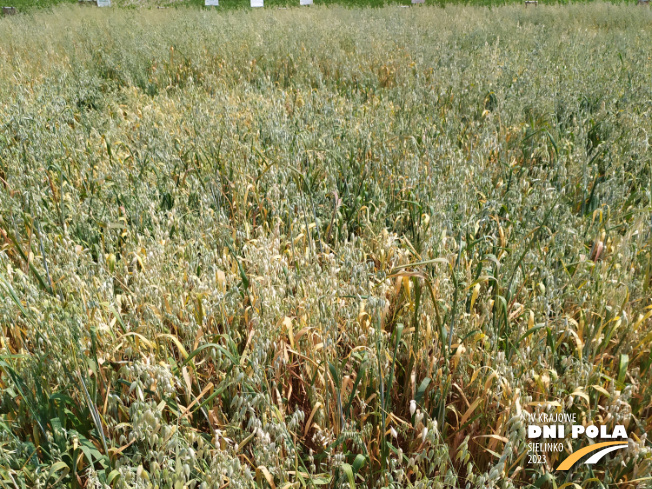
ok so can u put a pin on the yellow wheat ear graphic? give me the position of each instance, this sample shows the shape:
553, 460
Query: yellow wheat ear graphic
606, 447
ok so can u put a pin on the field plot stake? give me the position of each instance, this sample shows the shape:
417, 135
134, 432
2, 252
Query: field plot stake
94, 3
532, 2
8, 10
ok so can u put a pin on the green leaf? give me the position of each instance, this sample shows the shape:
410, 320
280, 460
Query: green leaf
358, 379
14, 297
421, 390
348, 470
321, 481
529, 332
358, 462
547, 477
56, 467
334, 374
398, 332
243, 275
622, 367
219, 348
39, 279
114, 475
90, 451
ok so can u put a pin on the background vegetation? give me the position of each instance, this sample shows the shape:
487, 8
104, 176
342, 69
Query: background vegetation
30, 5
322, 247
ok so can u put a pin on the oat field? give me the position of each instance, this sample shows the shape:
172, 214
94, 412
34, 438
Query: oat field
323, 248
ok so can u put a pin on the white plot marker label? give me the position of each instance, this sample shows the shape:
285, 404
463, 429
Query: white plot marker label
256, 3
